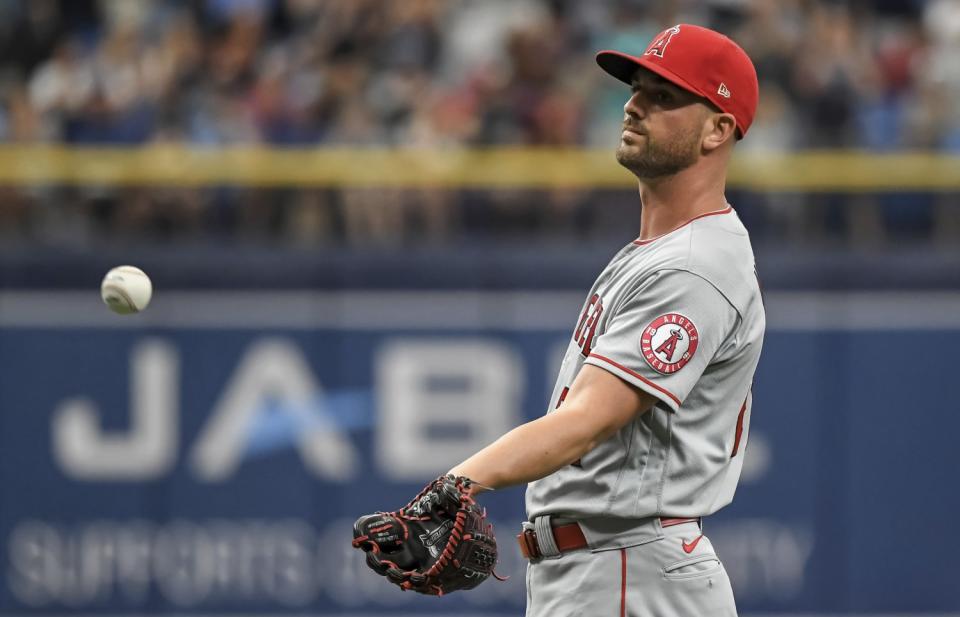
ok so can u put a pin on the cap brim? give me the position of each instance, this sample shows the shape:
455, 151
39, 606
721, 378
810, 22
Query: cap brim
623, 66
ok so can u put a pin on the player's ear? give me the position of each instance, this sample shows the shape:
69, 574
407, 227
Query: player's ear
718, 129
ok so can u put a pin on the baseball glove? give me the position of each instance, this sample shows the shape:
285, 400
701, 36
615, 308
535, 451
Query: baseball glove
438, 543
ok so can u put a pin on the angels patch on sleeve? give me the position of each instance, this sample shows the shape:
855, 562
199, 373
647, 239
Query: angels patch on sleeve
669, 342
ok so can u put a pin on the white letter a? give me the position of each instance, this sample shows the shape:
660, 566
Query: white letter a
274, 369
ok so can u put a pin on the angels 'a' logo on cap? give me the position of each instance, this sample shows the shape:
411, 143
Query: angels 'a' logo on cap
669, 342
659, 44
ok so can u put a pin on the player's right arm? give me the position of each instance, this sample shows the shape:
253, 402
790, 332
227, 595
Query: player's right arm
597, 406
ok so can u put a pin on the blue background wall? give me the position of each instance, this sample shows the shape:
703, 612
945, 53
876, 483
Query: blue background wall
846, 503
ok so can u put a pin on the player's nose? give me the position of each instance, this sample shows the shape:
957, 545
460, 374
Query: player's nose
635, 107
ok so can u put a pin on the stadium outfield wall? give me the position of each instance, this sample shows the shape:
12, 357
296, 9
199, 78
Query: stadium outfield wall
208, 456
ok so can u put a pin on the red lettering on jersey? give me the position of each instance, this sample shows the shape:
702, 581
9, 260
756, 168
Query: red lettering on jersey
660, 43
563, 396
586, 313
587, 326
739, 433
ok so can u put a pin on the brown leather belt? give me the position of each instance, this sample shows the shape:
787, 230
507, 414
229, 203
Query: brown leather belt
569, 537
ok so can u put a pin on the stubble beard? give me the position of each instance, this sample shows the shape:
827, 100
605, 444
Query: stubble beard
648, 159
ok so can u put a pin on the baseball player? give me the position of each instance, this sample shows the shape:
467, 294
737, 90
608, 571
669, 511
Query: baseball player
648, 421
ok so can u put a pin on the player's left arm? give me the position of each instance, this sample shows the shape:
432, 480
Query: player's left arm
597, 406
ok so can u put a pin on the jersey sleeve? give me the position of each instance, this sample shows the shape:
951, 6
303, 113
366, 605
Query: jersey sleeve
663, 336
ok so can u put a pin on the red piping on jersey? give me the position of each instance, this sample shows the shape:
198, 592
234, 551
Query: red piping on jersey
623, 582
736, 439
637, 375
724, 211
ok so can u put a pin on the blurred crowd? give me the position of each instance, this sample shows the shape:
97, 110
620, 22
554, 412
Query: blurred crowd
881, 75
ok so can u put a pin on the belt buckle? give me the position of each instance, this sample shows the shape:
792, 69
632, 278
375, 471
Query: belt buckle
528, 544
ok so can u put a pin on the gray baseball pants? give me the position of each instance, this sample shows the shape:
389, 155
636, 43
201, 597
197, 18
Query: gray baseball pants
675, 575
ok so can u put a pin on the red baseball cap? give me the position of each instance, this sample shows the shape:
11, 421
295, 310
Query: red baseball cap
699, 60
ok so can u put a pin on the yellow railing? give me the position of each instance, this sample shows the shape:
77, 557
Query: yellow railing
847, 171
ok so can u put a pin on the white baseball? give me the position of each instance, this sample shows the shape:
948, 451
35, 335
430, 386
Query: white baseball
126, 289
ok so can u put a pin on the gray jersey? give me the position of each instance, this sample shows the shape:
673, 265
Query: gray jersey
680, 317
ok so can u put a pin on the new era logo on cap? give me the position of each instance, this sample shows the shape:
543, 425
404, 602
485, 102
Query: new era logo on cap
722, 90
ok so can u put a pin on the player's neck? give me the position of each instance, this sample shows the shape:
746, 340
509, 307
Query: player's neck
669, 203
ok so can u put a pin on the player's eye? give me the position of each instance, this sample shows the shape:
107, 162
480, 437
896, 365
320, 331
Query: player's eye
656, 96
